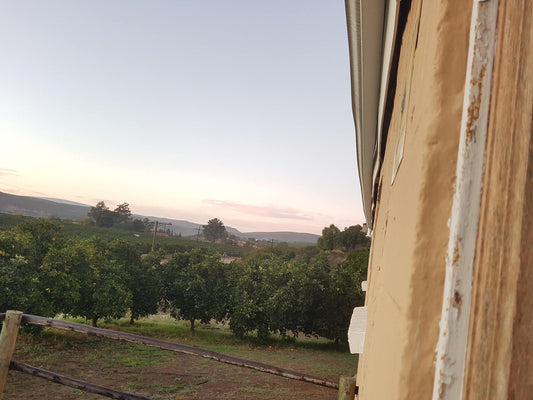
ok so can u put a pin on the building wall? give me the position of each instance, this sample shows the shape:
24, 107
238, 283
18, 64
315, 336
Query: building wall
410, 237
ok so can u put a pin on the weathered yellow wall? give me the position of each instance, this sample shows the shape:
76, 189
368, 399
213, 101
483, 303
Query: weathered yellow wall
410, 237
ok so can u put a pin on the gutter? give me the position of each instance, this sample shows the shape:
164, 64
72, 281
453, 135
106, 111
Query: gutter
365, 20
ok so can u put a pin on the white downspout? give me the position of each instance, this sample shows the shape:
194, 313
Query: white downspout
452, 343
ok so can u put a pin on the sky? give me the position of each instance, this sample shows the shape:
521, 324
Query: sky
186, 109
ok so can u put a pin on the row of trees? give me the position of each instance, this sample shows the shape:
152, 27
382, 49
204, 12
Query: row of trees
297, 296
81, 277
270, 291
102, 216
350, 238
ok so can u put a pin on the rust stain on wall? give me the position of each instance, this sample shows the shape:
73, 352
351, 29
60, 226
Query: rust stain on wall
473, 109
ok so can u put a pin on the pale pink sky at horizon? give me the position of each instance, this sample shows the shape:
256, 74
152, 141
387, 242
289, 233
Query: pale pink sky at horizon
188, 110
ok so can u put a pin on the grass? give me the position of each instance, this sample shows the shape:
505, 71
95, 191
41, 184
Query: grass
214, 336
28, 348
142, 356
169, 389
275, 350
161, 374
253, 390
140, 383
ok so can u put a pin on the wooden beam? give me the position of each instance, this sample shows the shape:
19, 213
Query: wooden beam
180, 348
73, 383
8, 339
347, 387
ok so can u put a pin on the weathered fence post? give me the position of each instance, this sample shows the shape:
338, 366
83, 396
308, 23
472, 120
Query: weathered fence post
8, 338
347, 386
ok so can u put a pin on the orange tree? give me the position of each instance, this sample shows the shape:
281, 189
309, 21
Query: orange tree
82, 279
195, 287
141, 277
309, 296
22, 250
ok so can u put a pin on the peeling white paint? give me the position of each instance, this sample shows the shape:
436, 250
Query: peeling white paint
463, 224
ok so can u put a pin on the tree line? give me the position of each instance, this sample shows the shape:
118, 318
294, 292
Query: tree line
351, 238
102, 216
277, 290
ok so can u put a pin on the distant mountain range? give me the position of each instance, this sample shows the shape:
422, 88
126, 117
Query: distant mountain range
36, 207
51, 207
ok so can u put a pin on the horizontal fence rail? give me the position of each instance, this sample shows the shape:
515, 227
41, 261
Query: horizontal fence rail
73, 383
180, 348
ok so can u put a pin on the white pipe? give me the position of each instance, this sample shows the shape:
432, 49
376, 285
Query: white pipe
464, 220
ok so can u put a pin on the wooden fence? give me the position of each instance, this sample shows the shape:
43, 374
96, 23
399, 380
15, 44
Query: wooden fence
13, 319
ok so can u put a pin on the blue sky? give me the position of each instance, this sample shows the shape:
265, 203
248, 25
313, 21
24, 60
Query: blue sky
185, 109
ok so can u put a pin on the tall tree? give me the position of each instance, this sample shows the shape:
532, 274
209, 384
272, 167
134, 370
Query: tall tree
214, 230
329, 238
122, 212
101, 215
352, 238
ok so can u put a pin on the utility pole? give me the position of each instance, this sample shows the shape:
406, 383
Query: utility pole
165, 224
198, 234
157, 223
153, 238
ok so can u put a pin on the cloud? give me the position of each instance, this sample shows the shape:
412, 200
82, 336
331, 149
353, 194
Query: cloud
262, 211
8, 172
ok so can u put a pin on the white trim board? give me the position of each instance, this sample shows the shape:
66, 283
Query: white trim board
464, 219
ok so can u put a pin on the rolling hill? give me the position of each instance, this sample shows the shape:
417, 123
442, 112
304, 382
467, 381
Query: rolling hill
36, 207
49, 207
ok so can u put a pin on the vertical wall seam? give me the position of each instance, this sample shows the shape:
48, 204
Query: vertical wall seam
464, 219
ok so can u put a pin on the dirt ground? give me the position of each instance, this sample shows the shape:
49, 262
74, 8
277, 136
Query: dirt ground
159, 374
